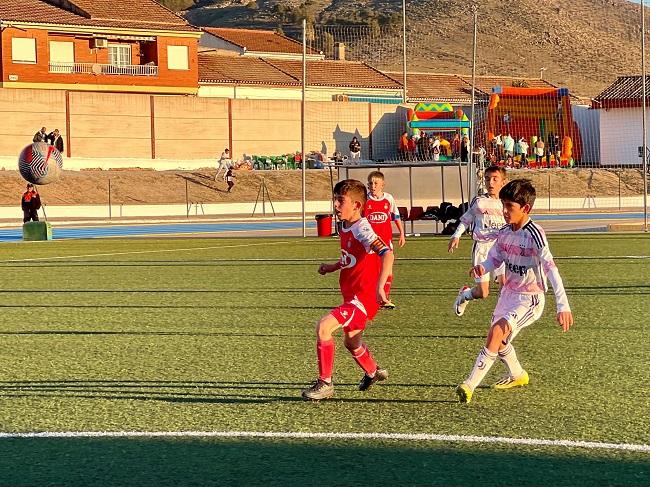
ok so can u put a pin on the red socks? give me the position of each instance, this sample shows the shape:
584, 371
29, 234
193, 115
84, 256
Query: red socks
325, 354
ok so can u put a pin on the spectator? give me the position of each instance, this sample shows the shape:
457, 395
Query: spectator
551, 147
230, 178
412, 147
41, 135
464, 149
508, 146
455, 146
31, 203
539, 150
56, 140
225, 162
499, 145
424, 147
337, 156
523, 151
403, 146
435, 148
355, 150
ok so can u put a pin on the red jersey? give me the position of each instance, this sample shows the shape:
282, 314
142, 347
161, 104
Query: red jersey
359, 275
381, 213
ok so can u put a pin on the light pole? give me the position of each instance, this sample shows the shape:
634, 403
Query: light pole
302, 127
471, 128
644, 95
404, 49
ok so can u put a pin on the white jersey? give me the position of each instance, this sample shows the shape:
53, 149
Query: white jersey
528, 262
486, 216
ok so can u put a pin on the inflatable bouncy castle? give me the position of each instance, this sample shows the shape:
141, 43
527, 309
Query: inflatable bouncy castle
437, 117
532, 113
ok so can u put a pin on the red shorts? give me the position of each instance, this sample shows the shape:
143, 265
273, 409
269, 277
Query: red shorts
351, 316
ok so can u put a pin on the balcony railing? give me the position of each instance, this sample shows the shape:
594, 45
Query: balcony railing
109, 69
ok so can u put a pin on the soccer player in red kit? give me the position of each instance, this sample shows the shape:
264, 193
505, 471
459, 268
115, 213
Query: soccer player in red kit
362, 286
381, 212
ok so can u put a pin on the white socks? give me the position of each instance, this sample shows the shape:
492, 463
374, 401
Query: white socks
509, 358
467, 294
484, 362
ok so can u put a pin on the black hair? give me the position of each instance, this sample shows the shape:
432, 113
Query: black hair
520, 191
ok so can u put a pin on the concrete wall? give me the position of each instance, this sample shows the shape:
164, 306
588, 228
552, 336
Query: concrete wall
24, 112
143, 127
621, 134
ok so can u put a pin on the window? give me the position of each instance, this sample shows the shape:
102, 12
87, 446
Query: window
61, 57
61, 52
178, 57
119, 54
23, 50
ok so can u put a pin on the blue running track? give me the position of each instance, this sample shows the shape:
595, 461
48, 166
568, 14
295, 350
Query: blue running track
15, 234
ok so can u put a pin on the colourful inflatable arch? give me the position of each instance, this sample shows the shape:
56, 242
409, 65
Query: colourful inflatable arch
533, 112
438, 117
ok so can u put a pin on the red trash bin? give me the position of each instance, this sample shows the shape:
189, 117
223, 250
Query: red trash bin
324, 225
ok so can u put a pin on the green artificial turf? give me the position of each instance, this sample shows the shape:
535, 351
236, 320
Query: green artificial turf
218, 335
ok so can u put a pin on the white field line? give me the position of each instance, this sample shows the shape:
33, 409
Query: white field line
334, 436
110, 254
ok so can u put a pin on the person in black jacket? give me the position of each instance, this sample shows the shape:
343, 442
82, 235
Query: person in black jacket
56, 140
31, 203
355, 150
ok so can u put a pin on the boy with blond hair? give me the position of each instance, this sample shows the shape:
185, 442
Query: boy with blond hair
522, 247
362, 286
381, 211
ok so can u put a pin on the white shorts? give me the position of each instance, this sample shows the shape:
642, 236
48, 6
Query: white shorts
519, 310
480, 252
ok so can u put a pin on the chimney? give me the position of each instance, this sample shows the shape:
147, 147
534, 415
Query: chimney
339, 51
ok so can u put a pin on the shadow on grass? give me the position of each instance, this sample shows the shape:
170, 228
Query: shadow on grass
219, 334
272, 462
202, 392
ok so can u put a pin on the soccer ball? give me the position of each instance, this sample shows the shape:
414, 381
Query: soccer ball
40, 163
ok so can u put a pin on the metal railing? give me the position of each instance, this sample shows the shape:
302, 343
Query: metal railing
109, 69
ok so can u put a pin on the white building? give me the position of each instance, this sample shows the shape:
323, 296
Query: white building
621, 121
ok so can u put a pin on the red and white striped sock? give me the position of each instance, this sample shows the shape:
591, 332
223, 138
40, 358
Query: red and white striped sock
363, 357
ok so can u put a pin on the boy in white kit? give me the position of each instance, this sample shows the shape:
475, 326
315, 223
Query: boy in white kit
522, 247
486, 215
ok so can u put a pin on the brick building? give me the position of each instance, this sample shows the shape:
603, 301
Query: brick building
97, 45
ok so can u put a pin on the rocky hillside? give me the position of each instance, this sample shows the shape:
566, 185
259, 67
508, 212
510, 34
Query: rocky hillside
583, 44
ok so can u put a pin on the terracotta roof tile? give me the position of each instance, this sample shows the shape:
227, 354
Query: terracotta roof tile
345, 74
486, 83
134, 14
435, 87
215, 68
625, 88
257, 40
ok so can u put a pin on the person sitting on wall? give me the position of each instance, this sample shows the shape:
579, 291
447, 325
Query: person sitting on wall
30, 203
355, 150
56, 140
41, 135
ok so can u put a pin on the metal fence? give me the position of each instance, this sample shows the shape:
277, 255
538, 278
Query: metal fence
579, 133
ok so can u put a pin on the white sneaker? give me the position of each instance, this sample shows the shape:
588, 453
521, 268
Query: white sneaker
460, 304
